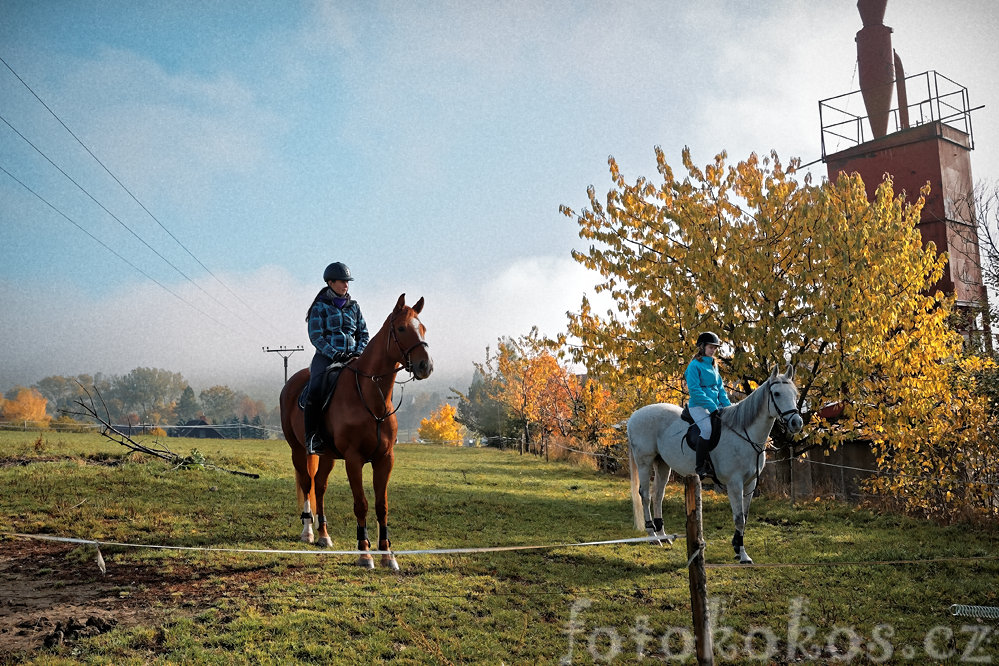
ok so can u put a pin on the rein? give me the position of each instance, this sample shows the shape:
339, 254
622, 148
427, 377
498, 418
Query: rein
782, 417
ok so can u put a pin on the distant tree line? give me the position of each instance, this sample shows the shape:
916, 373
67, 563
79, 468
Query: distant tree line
157, 397
144, 396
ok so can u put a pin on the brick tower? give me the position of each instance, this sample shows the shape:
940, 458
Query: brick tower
926, 140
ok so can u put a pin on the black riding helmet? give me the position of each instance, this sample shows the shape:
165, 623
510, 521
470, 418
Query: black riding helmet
337, 271
708, 338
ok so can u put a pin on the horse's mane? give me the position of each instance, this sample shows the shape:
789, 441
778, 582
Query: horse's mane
742, 414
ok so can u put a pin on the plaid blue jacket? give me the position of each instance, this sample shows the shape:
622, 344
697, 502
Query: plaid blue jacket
334, 330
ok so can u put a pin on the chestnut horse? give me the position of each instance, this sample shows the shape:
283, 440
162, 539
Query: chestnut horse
361, 419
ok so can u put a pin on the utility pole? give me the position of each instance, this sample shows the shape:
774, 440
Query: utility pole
285, 352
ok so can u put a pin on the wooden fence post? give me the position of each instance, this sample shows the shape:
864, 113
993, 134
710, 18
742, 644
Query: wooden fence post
698, 578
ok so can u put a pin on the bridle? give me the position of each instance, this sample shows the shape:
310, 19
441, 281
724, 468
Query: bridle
782, 416
407, 362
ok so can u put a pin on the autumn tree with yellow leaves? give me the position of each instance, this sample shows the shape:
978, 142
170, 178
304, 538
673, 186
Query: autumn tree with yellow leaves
441, 428
784, 270
25, 405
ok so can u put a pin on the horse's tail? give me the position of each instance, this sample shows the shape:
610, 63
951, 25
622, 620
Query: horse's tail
636, 499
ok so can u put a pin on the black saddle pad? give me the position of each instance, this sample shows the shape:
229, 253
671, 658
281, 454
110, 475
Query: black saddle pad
693, 432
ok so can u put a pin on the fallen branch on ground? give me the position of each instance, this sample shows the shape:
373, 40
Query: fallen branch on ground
117, 436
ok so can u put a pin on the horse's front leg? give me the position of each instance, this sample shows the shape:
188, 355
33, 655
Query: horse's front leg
320, 481
381, 470
355, 467
739, 499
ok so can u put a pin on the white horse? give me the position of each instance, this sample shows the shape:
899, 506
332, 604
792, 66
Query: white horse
655, 439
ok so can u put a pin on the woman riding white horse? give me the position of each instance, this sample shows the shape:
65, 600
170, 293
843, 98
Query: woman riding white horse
656, 440
707, 394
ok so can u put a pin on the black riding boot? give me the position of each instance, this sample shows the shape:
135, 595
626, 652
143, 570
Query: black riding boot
313, 414
701, 464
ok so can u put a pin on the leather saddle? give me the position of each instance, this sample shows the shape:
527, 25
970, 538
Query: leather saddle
693, 432
329, 379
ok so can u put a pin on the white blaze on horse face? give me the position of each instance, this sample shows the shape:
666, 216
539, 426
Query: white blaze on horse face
415, 323
418, 328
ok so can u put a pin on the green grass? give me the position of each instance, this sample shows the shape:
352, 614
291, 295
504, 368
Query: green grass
491, 608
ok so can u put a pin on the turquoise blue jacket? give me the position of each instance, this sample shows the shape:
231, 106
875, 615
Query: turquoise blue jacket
704, 383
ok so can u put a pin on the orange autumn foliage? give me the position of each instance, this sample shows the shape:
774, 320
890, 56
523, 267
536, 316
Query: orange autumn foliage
27, 405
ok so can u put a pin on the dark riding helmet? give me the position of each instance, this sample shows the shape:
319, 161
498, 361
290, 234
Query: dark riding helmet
337, 271
708, 338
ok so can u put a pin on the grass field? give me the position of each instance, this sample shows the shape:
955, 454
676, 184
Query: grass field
833, 582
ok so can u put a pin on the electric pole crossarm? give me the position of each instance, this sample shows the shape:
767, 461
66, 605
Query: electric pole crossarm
284, 352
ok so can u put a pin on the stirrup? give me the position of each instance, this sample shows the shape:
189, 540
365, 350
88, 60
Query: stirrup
313, 444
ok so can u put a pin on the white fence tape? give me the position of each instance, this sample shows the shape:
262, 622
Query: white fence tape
429, 551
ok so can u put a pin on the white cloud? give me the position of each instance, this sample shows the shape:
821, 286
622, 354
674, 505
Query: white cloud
147, 327
532, 291
195, 133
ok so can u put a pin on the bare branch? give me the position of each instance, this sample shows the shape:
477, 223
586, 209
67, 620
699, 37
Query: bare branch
117, 436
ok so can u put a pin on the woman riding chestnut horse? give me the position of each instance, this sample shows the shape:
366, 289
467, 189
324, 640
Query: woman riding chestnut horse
360, 427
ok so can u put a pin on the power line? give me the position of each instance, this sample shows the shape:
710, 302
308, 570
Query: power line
128, 191
117, 180
130, 194
108, 248
112, 215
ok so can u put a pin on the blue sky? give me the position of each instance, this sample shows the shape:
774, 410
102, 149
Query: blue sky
426, 144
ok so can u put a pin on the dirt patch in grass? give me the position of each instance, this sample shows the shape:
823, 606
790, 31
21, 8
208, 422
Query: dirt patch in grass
47, 599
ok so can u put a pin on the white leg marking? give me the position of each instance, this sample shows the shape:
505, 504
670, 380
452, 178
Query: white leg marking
307, 534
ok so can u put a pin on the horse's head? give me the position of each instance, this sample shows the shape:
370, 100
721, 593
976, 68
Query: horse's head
407, 331
784, 399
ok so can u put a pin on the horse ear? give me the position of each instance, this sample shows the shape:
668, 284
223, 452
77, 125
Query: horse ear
789, 373
773, 373
401, 303
419, 306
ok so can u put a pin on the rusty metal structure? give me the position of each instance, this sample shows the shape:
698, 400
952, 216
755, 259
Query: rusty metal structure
927, 137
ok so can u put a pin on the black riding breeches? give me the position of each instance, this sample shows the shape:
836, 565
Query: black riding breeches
316, 371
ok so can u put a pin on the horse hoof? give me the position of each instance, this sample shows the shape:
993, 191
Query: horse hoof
388, 562
307, 537
365, 561
324, 542
668, 538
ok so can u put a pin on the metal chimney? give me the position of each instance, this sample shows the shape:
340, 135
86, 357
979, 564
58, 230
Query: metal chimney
875, 64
